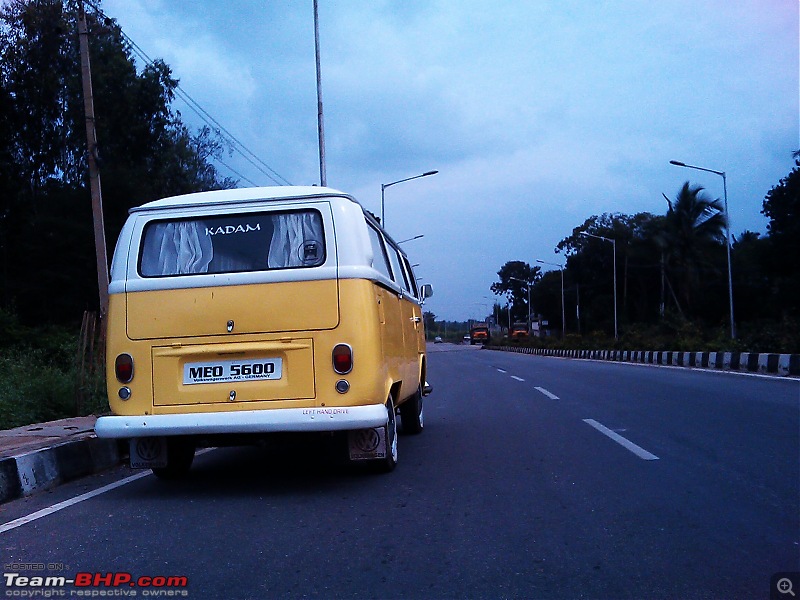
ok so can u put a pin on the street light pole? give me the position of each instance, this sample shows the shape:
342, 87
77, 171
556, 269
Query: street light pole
386, 185
563, 313
614, 243
529, 299
323, 177
495, 316
727, 234
416, 237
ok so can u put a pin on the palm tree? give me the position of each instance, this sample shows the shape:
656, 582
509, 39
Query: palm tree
694, 225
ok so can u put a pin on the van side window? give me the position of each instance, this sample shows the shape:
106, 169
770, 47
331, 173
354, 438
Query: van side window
400, 276
232, 243
379, 260
411, 277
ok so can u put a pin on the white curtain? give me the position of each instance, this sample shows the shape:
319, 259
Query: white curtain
176, 249
292, 233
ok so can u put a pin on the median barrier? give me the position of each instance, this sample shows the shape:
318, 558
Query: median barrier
785, 365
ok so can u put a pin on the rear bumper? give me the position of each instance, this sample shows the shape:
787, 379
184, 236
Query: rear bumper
247, 421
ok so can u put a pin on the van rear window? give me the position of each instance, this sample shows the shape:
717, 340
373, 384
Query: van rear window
232, 243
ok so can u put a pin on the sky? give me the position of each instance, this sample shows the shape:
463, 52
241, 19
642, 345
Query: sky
536, 113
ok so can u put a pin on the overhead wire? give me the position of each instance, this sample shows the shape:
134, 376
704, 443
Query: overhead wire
206, 117
235, 172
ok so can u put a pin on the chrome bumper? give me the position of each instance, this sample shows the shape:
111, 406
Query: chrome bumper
245, 421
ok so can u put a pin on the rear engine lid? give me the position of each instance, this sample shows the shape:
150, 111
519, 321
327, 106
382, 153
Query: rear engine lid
233, 310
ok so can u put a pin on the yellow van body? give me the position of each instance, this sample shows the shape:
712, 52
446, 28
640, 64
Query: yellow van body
210, 341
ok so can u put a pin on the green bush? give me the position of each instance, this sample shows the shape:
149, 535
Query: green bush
40, 375
33, 389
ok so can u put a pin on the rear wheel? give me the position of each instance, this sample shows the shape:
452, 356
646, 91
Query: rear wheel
411, 413
180, 455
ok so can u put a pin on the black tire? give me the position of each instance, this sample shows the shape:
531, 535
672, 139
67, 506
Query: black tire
180, 455
411, 413
387, 464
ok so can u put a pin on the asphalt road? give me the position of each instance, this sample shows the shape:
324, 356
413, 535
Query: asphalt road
519, 487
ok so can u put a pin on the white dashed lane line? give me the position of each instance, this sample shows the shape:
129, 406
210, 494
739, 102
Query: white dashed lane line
550, 395
626, 443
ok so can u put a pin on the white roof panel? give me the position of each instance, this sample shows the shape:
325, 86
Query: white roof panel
240, 195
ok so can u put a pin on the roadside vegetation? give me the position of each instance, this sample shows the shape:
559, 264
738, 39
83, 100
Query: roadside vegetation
49, 366
46, 373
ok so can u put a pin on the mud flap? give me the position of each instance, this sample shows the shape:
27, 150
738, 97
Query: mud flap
367, 444
148, 453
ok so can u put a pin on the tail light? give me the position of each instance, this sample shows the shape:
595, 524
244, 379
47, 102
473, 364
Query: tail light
123, 368
342, 359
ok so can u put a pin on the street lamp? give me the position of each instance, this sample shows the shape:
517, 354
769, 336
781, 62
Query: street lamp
529, 299
614, 243
416, 237
386, 185
727, 233
563, 314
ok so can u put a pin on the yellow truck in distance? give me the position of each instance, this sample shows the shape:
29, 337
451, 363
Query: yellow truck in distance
479, 334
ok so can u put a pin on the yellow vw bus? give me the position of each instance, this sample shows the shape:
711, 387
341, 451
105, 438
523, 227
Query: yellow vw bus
239, 313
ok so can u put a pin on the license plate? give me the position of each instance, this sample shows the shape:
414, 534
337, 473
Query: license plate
223, 371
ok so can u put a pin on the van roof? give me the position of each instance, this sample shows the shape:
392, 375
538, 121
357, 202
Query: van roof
240, 195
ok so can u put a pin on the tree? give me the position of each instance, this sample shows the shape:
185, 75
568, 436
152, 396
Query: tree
46, 239
590, 264
782, 207
514, 277
693, 237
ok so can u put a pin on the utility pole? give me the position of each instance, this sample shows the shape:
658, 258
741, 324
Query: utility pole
94, 173
323, 178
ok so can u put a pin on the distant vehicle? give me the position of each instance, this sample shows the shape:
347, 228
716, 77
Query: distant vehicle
437, 339
466, 339
519, 331
479, 334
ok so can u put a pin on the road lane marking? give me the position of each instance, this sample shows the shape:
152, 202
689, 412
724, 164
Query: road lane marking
501, 371
550, 395
637, 450
517, 378
67, 503
78, 499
